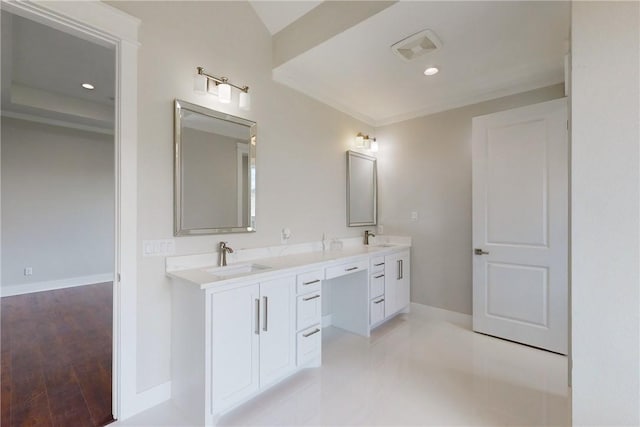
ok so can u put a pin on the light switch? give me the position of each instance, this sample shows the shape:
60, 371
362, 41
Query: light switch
158, 247
414, 216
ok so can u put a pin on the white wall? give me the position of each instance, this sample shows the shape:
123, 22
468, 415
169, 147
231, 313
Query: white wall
605, 212
424, 165
58, 193
301, 166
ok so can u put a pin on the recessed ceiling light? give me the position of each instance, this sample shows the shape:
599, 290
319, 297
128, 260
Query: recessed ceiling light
431, 71
88, 86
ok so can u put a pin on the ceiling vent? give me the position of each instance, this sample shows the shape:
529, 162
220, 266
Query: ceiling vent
417, 45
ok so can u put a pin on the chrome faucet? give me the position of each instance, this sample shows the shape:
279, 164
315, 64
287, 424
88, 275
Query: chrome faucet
367, 234
222, 253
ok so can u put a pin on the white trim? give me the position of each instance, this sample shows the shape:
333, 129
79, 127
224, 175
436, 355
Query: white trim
327, 320
55, 122
51, 285
153, 397
440, 314
104, 24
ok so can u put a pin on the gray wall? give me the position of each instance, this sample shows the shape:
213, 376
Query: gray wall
424, 165
605, 235
57, 202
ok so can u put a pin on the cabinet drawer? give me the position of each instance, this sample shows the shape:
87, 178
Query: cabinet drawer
341, 270
310, 281
376, 284
309, 310
309, 344
377, 264
377, 310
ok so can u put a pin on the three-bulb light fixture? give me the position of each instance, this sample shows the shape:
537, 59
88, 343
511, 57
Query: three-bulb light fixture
204, 82
366, 142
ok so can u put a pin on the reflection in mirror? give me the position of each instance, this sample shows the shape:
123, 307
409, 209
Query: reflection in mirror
362, 191
215, 171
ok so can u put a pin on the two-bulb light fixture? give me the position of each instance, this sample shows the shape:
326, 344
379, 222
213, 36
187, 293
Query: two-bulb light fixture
366, 142
204, 82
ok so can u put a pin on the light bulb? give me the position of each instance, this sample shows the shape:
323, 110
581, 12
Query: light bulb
374, 146
200, 83
245, 101
360, 140
224, 93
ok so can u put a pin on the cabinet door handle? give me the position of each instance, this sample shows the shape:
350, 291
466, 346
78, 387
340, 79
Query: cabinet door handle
399, 265
315, 331
351, 269
377, 277
379, 264
257, 330
379, 301
401, 268
266, 313
310, 298
310, 283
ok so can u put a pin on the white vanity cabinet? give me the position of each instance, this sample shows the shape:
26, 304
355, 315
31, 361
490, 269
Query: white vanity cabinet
228, 344
397, 282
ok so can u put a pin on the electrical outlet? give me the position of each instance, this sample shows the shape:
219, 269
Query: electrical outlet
28, 271
285, 235
158, 247
380, 229
414, 216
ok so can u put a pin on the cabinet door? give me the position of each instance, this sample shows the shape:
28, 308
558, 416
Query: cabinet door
397, 284
277, 328
235, 345
391, 293
404, 283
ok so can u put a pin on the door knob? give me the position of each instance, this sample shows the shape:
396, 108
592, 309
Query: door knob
479, 251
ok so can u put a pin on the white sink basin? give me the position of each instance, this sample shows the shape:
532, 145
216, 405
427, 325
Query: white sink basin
384, 245
236, 270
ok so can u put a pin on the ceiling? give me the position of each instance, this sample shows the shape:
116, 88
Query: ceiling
42, 74
489, 50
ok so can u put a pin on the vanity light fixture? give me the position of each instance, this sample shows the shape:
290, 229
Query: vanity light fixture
366, 142
204, 82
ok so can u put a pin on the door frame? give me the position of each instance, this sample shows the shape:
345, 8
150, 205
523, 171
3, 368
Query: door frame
104, 24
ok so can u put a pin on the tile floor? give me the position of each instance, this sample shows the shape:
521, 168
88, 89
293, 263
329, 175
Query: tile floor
415, 370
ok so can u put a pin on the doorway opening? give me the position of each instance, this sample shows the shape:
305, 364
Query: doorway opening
58, 225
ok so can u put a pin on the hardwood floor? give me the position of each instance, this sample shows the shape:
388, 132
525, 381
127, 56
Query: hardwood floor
56, 357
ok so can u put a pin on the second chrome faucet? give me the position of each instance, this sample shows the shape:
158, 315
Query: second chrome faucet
223, 249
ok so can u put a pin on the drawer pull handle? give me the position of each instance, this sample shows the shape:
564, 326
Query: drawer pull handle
311, 282
351, 269
379, 264
377, 277
310, 298
315, 331
379, 301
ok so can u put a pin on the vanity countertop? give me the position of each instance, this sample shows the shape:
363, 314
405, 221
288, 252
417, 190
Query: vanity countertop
281, 264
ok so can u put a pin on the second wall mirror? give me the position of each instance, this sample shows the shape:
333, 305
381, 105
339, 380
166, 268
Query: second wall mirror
214, 173
362, 189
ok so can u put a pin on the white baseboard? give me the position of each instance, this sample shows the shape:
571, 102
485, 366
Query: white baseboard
152, 397
327, 321
460, 319
28, 288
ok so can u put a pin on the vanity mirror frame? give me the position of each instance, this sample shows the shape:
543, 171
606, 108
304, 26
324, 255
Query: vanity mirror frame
179, 229
351, 155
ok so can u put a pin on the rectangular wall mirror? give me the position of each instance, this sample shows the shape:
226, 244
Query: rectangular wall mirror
214, 171
362, 189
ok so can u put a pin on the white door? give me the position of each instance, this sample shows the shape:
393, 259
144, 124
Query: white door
520, 225
235, 345
277, 330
